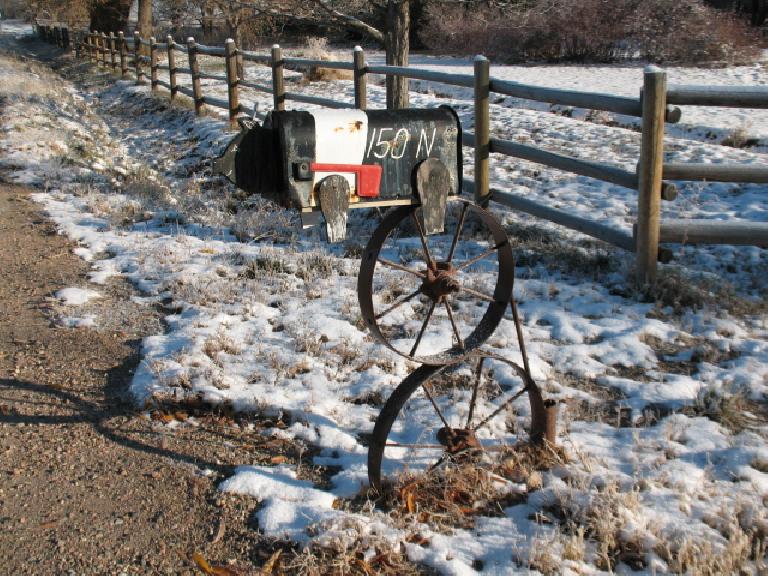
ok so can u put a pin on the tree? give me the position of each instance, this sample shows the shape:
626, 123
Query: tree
395, 39
354, 15
110, 15
145, 18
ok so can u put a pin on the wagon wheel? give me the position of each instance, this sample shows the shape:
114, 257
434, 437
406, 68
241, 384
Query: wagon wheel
415, 290
445, 415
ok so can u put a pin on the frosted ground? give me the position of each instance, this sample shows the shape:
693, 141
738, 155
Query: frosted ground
662, 413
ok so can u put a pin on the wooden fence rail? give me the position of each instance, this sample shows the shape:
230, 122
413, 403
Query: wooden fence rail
655, 105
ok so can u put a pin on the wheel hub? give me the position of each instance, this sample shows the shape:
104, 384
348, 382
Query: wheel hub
440, 281
458, 440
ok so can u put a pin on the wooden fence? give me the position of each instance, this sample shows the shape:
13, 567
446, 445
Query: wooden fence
655, 106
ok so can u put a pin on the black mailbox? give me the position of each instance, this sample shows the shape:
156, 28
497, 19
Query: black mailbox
330, 161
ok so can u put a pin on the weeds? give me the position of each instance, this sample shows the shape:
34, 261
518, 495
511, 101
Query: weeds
317, 49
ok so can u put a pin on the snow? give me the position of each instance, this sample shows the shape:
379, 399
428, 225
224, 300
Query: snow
288, 505
265, 317
76, 296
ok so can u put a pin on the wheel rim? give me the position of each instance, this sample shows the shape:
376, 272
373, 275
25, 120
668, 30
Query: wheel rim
438, 280
434, 418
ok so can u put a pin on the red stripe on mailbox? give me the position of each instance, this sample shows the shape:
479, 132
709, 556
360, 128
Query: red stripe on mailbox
367, 176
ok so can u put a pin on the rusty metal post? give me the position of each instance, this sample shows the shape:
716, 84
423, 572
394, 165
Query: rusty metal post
650, 167
123, 56
361, 79
153, 63
172, 66
278, 84
482, 130
230, 52
194, 66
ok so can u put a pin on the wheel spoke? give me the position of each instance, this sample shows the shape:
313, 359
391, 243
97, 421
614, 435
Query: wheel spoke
399, 303
402, 268
423, 238
520, 339
434, 405
453, 323
459, 226
477, 294
423, 328
485, 254
473, 400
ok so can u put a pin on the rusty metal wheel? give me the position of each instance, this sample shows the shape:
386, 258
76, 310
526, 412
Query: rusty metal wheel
446, 415
435, 299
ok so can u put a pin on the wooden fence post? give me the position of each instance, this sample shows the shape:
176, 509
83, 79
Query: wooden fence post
230, 51
137, 57
482, 130
123, 56
65, 37
112, 51
153, 62
99, 55
361, 80
194, 67
172, 66
650, 167
278, 85
104, 48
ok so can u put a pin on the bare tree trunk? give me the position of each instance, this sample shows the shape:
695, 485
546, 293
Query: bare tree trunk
145, 18
397, 47
207, 23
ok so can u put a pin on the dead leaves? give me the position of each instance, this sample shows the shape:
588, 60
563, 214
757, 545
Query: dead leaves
168, 417
220, 570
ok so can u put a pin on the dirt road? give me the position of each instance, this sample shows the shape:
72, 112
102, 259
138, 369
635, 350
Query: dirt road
89, 485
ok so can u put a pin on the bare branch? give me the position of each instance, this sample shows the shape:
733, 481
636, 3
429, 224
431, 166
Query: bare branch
351, 21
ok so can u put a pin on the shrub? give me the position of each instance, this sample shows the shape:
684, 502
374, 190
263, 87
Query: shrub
591, 30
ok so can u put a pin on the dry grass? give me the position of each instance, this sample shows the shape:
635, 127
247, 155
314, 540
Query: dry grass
24, 80
456, 493
359, 559
677, 290
317, 49
221, 342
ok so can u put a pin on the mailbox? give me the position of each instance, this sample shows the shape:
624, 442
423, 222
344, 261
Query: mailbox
330, 161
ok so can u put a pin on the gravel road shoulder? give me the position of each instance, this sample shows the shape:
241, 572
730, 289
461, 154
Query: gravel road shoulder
89, 485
